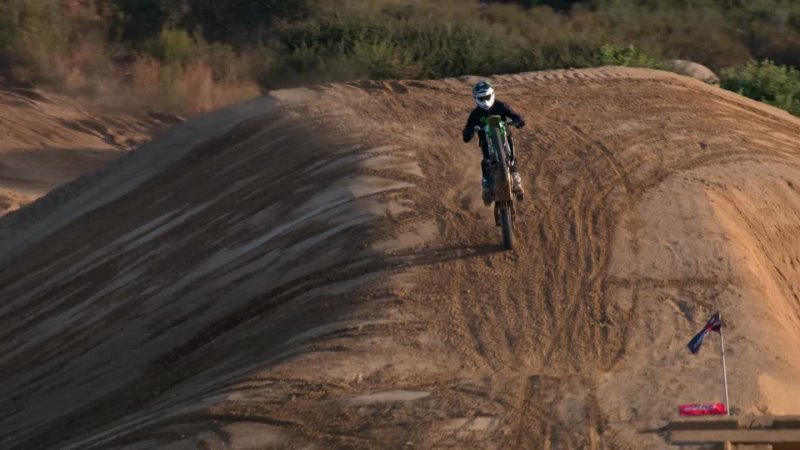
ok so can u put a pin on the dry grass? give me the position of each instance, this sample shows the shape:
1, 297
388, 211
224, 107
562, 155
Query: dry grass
175, 89
69, 51
146, 85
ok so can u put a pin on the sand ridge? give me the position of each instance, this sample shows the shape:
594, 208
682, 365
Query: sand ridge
317, 271
47, 140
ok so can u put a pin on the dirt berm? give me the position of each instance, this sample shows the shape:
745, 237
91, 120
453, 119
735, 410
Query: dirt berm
314, 269
47, 140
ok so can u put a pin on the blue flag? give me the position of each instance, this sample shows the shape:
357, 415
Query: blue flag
713, 324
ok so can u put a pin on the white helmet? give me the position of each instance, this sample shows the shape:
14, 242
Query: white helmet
483, 93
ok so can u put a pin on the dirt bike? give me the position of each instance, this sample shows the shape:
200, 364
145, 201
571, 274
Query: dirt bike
500, 176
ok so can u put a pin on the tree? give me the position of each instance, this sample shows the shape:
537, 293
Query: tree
140, 20
241, 21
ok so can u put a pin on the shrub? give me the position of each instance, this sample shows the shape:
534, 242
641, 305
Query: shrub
42, 44
228, 66
241, 22
182, 90
614, 55
173, 46
36, 33
136, 21
219, 47
767, 82
562, 54
385, 59
398, 41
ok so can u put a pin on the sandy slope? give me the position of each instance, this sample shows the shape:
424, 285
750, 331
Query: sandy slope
47, 140
314, 270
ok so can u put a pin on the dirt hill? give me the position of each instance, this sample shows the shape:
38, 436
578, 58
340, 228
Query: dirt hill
47, 140
314, 269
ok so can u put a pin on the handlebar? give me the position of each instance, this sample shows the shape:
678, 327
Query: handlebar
507, 121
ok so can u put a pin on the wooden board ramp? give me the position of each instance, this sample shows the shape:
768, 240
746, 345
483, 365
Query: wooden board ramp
738, 433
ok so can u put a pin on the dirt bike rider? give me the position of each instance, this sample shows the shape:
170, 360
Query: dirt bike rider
483, 93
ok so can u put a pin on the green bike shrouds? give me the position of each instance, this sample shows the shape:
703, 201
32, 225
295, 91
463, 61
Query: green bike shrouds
491, 124
496, 139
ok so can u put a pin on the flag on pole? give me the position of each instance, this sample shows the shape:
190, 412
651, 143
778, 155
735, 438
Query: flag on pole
713, 324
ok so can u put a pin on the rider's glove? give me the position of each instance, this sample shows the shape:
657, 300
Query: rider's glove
520, 123
467, 135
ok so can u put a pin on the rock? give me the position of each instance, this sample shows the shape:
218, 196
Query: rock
694, 70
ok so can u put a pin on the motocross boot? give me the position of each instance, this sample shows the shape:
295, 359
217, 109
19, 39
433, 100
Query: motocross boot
516, 186
486, 193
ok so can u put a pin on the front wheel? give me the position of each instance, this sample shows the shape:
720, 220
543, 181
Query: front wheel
508, 228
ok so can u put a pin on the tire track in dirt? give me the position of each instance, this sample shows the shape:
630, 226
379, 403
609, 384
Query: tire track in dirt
591, 255
438, 340
572, 224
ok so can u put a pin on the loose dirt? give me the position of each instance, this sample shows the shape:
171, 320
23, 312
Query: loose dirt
47, 140
314, 269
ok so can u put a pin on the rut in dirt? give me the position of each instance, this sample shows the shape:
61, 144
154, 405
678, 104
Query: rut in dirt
354, 294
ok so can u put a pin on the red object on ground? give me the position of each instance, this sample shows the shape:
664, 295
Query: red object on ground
706, 409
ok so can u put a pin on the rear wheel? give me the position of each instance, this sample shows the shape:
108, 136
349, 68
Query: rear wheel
507, 226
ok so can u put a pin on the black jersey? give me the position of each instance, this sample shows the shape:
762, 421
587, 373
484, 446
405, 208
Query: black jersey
498, 109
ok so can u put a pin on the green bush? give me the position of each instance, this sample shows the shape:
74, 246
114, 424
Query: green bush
397, 41
614, 55
562, 54
767, 82
386, 59
693, 30
37, 35
26, 20
173, 46
137, 21
240, 22
229, 66
281, 43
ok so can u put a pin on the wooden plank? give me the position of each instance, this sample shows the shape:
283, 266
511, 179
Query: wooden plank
766, 436
704, 423
788, 422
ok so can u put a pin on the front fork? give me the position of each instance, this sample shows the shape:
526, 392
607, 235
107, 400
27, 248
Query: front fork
499, 206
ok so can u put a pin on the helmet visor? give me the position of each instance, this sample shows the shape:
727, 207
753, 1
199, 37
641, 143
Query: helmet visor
485, 98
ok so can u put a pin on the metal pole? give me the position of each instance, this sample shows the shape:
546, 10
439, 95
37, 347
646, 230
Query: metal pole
724, 368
